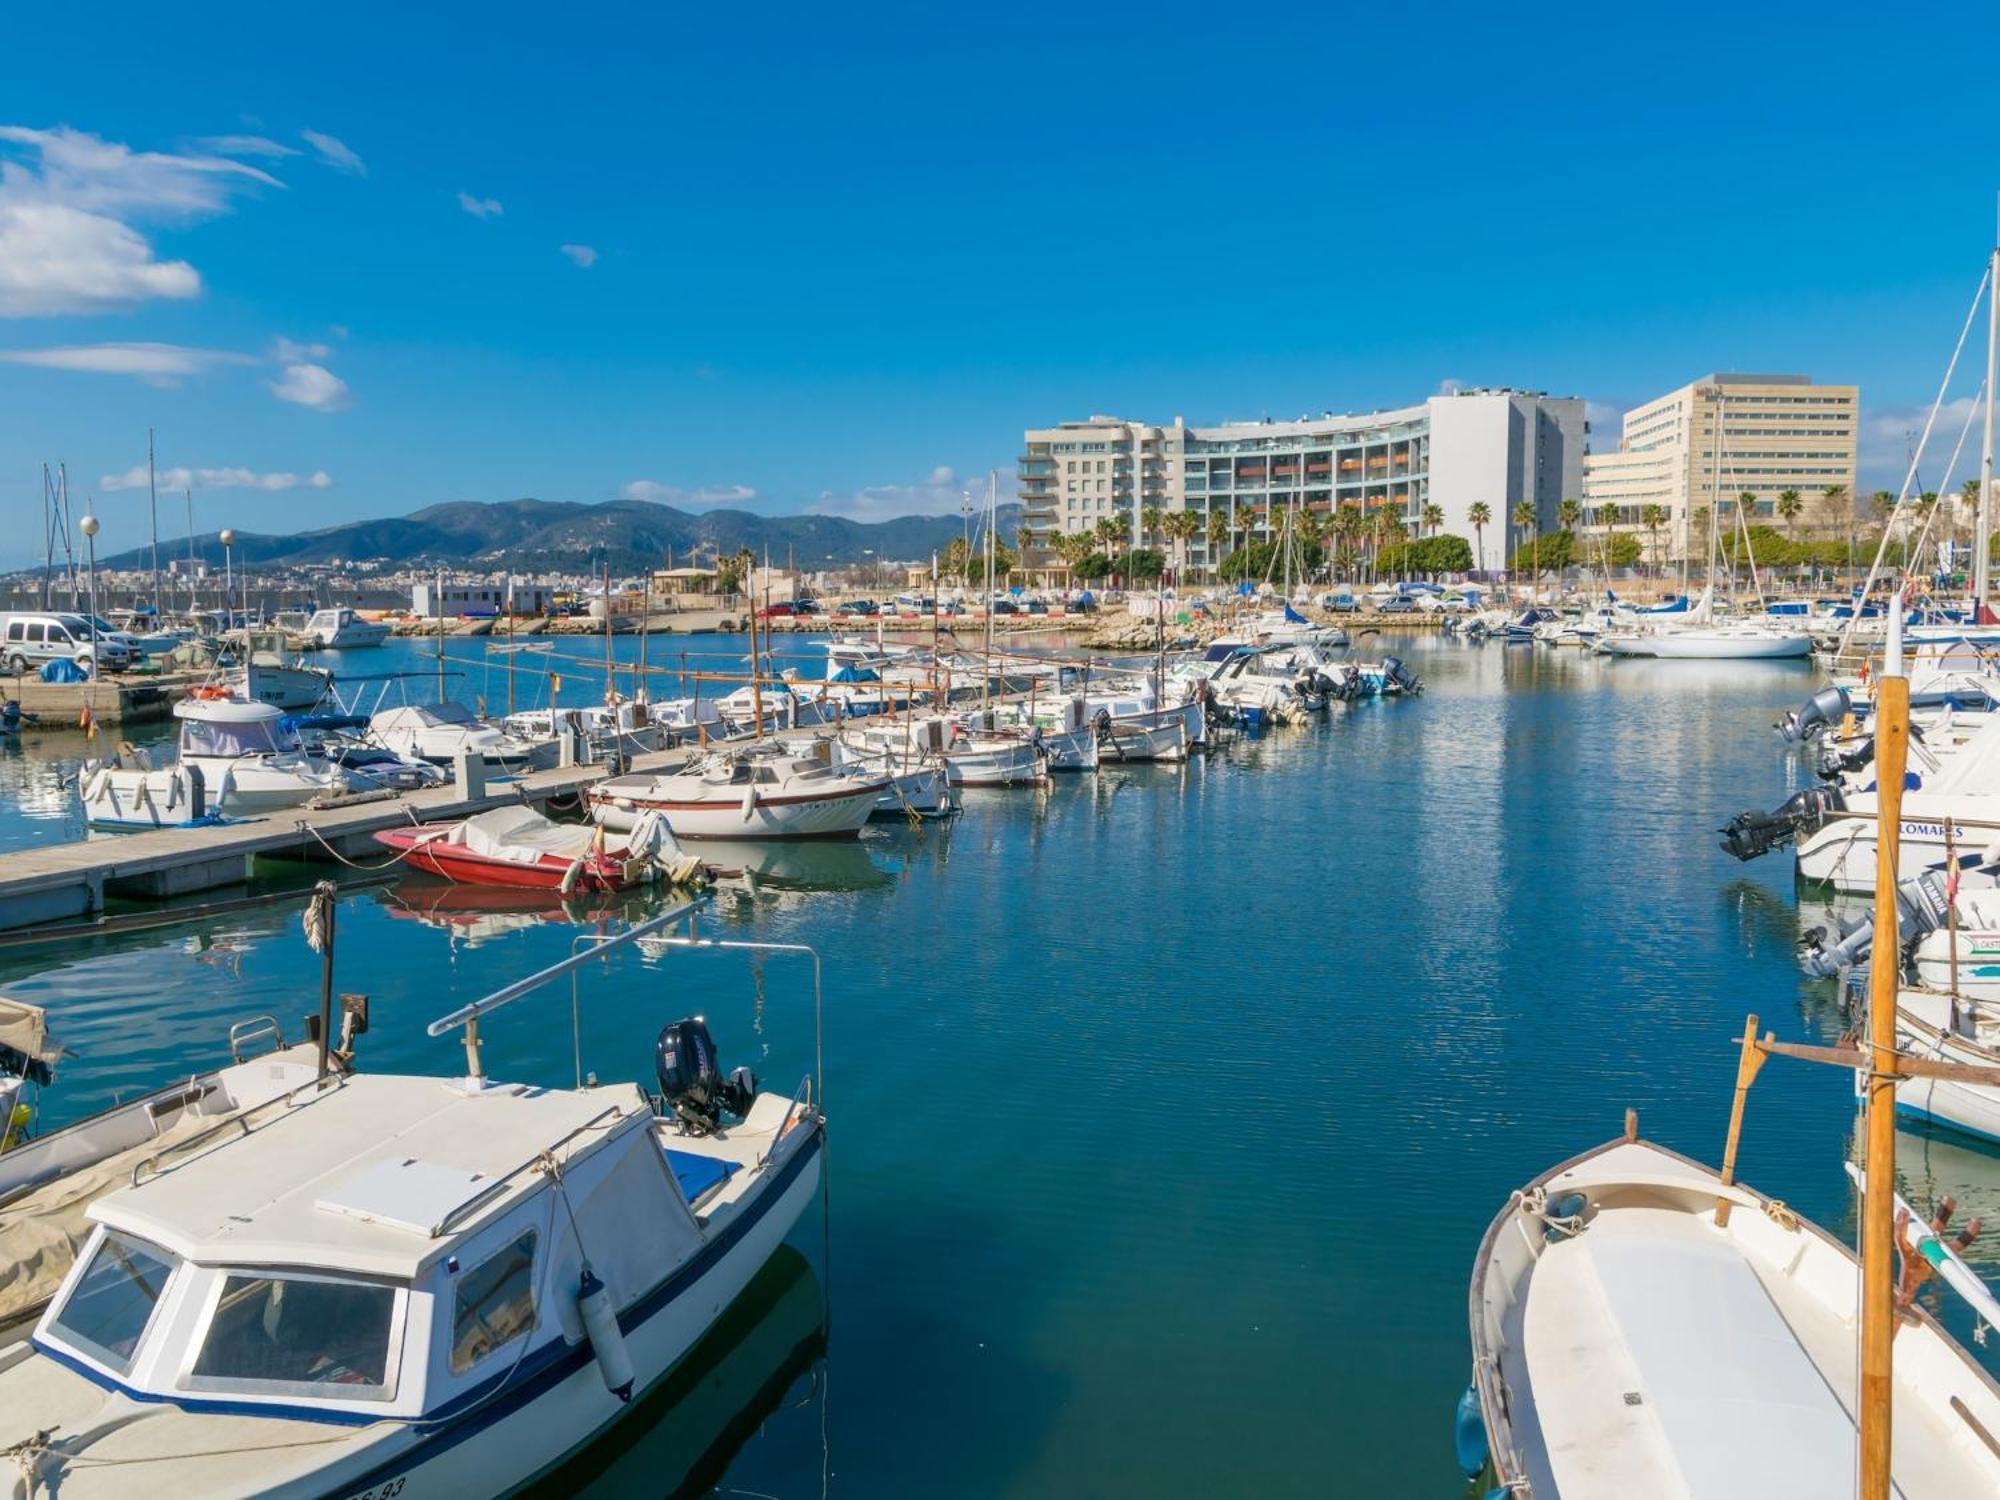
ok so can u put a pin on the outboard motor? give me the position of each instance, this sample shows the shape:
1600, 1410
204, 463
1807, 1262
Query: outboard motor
1750, 834
1821, 712
1837, 763
1922, 903
691, 1078
1394, 671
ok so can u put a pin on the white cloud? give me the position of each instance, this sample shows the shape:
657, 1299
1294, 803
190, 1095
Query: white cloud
942, 492
311, 385
334, 152
245, 145
707, 495
480, 208
66, 197
1889, 436
135, 478
1607, 424
157, 364
285, 352
583, 255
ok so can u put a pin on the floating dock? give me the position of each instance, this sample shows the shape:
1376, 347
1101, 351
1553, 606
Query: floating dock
64, 881
116, 699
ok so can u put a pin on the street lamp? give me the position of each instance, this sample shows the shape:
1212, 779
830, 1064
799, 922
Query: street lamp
88, 526
228, 540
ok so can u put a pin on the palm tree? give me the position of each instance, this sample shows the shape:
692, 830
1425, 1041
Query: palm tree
1882, 502
1569, 513
1653, 517
1149, 523
1607, 521
1434, 517
1107, 532
1218, 533
1480, 515
1183, 526
1524, 520
1789, 507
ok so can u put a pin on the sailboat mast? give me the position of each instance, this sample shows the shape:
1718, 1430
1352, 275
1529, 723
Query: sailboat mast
193, 603
1983, 531
986, 607
1878, 1248
153, 512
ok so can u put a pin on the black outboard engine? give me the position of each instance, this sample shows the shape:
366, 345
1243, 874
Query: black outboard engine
691, 1079
1821, 712
1922, 904
1750, 834
1394, 671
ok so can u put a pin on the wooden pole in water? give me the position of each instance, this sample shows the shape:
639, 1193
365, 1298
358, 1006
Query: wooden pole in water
1878, 1211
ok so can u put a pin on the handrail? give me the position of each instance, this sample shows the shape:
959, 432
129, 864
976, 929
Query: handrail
803, 1091
466, 1015
500, 1180
819, 1025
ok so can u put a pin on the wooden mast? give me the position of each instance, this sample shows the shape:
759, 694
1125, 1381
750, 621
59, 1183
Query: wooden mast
1878, 1212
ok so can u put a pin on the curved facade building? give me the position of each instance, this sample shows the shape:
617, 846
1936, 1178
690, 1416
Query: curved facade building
1496, 446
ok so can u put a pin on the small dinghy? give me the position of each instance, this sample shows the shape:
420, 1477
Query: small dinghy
517, 846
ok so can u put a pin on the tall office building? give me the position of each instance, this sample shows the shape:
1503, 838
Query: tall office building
1722, 437
1499, 447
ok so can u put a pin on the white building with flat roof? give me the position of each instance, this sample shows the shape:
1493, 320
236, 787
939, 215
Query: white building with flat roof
1496, 447
1720, 438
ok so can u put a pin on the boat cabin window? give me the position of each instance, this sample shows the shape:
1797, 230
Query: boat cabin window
766, 776
495, 1304
213, 737
105, 1315
297, 1335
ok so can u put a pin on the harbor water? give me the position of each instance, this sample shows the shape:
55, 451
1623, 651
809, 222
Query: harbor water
1166, 1107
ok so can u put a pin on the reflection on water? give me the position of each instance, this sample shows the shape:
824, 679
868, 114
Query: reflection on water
754, 1370
769, 867
473, 914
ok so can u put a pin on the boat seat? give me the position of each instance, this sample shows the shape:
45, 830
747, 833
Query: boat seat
699, 1175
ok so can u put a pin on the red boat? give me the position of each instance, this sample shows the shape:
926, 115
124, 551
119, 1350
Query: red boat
518, 847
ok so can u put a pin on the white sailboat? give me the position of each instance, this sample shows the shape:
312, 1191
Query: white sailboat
754, 792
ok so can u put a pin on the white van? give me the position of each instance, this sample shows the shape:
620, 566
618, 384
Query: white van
28, 639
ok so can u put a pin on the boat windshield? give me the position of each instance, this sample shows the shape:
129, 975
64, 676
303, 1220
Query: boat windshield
106, 1312
218, 738
297, 1335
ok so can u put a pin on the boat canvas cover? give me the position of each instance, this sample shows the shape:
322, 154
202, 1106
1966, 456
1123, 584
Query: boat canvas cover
24, 1029
522, 835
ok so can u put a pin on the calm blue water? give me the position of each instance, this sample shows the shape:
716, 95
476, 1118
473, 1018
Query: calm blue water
1167, 1108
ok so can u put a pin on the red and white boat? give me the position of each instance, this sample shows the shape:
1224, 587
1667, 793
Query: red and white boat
517, 846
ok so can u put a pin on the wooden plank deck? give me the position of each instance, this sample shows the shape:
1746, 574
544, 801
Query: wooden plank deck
68, 880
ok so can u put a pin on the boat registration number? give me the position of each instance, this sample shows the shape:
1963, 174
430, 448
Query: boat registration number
388, 1489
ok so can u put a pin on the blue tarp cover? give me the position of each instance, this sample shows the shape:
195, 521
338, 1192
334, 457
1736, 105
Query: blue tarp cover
63, 670
696, 1173
1293, 617
854, 674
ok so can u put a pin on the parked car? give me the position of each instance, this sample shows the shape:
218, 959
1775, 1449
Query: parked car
1005, 607
1342, 602
859, 608
1397, 604
809, 607
28, 639
779, 611
1036, 607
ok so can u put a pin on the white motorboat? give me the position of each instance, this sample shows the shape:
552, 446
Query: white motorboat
407, 1285
341, 629
785, 705
440, 732
236, 759
1930, 1024
992, 755
1743, 641
1956, 793
611, 734
756, 792
909, 754
265, 672
48, 1182
1131, 726
1628, 1339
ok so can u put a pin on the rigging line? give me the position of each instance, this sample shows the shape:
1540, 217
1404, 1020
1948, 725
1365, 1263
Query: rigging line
1881, 547
1943, 491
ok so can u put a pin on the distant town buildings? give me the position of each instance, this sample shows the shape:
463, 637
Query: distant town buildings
488, 596
1772, 437
1492, 447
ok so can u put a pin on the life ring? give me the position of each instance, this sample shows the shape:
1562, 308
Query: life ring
209, 690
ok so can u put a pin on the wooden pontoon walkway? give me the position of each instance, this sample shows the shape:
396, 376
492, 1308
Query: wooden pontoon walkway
62, 881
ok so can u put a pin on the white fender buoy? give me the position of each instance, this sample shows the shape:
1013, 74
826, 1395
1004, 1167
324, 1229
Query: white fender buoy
571, 876
607, 1341
749, 801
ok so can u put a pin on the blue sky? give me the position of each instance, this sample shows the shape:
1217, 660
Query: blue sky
837, 258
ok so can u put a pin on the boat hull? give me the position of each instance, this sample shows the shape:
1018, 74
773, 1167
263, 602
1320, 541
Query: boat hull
1970, 1108
1166, 734
423, 848
1841, 852
824, 815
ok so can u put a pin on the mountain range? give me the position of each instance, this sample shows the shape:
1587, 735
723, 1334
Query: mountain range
557, 535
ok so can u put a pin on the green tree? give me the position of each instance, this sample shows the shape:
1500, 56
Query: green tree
1218, 533
1525, 520
1653, 517
1149, 523
1789, 508
1108, 533
1481, 516
955, 559
1882, 502
1569, 513
1144, 564
1433, 518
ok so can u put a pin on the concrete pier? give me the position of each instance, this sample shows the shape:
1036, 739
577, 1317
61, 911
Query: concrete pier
65, 881
115, 699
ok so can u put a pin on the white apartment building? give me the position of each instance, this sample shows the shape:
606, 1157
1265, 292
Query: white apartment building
1722, 437
1499, 447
